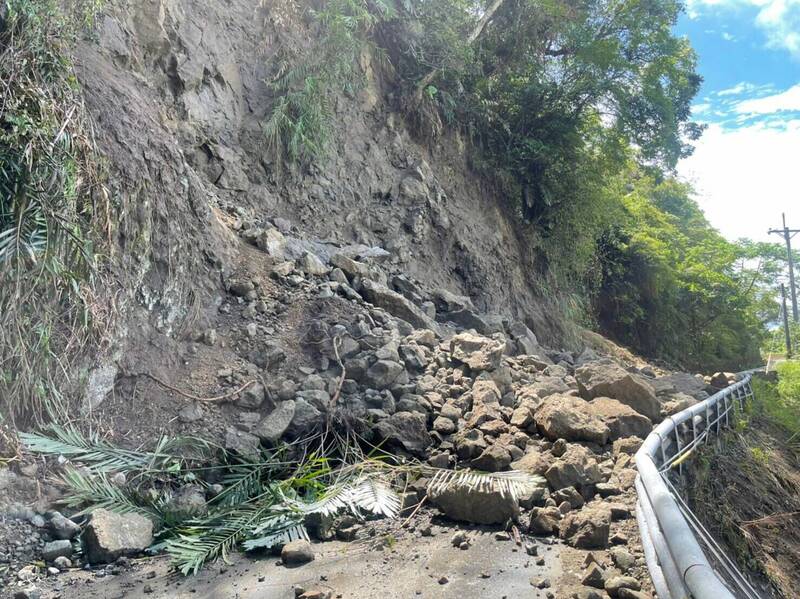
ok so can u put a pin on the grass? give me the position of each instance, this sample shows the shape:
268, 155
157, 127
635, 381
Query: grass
780, 402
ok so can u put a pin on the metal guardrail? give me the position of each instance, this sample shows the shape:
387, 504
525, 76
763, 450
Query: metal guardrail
677, 563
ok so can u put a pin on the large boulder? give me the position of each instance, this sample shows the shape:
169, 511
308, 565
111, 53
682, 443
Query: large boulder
109, 536
622, 420
395, 304
680, 382
576, 468
605, 378
570, 418
479, 353
406, 430
587, 528
476, 505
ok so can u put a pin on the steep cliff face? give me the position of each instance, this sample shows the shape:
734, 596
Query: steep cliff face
179, 95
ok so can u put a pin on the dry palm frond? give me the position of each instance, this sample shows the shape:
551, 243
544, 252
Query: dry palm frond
512, 484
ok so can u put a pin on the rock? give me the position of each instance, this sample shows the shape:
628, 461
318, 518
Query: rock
444, 425
570, 418
533, 462
616, 584
189, 501
672, 404
625, 593
604, 378
312, 265
493, 459
622, 559
607, 489
395, 304
297, 552
413, 356
595, 577
577, 467
191, 413
243, 443
315, 594
587, 594
273, 243
382, 374
628, 445
109, 536
680, 383
240, 288
61, 527
479, 506
306, 418
587, 528
450, 411
479, 353
62, 563
252, 397
621, 420
544, 521
522, 416
407, 430
28, 592
273, 426
54, 549
720, 380
571, 496
447, 301
485, 392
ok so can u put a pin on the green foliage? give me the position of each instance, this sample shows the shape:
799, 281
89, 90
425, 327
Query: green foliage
300, 123
50, 201
780, 403
672, 287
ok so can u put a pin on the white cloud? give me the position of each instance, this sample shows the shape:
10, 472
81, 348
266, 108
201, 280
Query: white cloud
745, 87
778, 19
746, 177
788, 100
728, 37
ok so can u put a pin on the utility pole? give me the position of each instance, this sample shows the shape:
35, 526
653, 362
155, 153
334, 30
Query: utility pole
786, 323
787, 235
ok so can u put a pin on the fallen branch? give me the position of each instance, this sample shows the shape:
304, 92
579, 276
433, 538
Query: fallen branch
195, 397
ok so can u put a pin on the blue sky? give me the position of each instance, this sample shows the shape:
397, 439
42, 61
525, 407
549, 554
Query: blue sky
746, 168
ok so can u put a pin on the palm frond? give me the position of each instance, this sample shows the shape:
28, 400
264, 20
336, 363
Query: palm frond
278, 528
96, 491
513, 484
376, 497
213, 537
101, 456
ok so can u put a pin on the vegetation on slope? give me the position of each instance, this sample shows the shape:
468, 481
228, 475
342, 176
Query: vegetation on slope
748, 493
53, 210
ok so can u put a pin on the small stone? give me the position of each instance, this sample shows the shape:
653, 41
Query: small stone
502, 536
62, 563
443, 580
55, 549
531, 549
614, 585
458, 538
147, 589
595, 577
540, 583
297, 552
